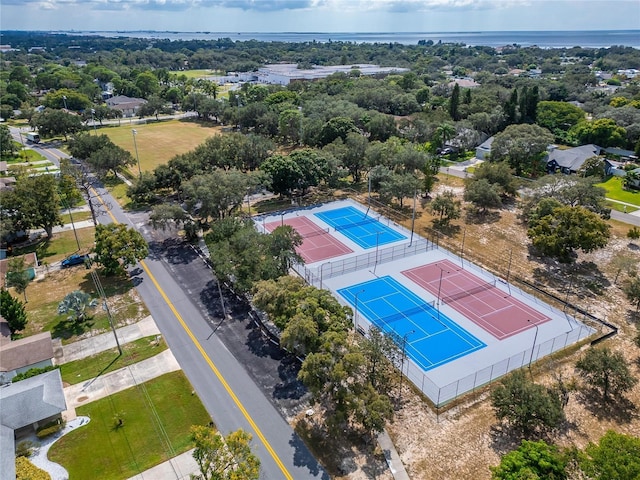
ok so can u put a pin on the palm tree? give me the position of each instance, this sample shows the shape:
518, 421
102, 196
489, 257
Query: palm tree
77, 304
444, 133
632, 179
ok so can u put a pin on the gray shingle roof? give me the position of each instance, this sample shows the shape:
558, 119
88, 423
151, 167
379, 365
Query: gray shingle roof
573, 158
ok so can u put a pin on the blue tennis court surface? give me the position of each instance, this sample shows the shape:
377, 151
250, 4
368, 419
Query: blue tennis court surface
432, 338
365, 230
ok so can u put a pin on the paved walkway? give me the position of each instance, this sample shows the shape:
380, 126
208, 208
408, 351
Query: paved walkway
179, 467
121, 379
391, 456
39, 456
99, 343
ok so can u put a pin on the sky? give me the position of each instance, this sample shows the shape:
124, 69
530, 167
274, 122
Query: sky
319, 15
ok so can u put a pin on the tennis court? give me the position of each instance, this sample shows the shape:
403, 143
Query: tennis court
362, 228
430, 338
480, 301
317, 244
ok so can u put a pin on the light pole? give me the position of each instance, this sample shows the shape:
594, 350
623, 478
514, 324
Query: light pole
355, 310
442, 270
377, 245
135, 145
93, 120
64, 100
404, 345
535, 337
321, 271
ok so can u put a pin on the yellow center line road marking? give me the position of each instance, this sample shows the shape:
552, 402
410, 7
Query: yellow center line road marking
213, 367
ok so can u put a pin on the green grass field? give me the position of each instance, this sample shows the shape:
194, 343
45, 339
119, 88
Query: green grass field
61, 245
158, 142
109, 360
614, 189
196, 73
102, 450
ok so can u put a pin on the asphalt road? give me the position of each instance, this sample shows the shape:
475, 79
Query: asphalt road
222, 382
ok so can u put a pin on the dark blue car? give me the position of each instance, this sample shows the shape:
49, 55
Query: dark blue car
74, 259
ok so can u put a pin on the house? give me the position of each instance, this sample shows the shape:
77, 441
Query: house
26, 406
127, 105
484, 149
463, 83
569, 161
18, 356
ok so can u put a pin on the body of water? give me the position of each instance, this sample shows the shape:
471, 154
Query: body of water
552, 39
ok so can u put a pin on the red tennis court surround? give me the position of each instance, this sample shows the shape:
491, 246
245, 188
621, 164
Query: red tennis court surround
481, 302
318, 244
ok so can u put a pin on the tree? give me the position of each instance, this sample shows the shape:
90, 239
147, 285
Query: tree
522, 146
554, 115
631, 179
7, 145
56, 122
34, 202
400, 186
531, 461
224, 458
285, 174
606, 372
83, 145
118, 247
218, 194
18, 276
632, 288
110, 158
12, 310
446, 206
454, 103
290, 125
483, 194
526, 406
444, 132
566, 229
498, 173
337, 127
615, 457
143, 188
603, 132
77, 304
380, 353
623, 262
165, 215
593, 167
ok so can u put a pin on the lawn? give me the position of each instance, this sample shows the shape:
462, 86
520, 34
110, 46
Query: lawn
109, 360
61, 245
196, 73
45, 295
158, 142
614, 189
102, 450
77, 217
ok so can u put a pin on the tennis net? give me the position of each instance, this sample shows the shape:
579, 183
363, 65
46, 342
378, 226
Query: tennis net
468, 293
314, 233
357, 224
427, 307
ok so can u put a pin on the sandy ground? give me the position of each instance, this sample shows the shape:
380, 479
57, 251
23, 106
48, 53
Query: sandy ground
463, 441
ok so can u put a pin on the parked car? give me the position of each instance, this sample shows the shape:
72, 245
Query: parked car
75, 259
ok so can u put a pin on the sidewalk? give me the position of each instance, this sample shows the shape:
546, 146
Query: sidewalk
396, 466
90, 346
179, 467
121, 379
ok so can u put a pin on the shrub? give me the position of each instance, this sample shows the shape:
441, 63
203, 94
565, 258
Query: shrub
634, 233
32, 372
24, 449
25, 470
50, 428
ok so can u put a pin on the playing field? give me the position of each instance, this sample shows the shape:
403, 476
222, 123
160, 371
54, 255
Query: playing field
459, 326
159, 142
